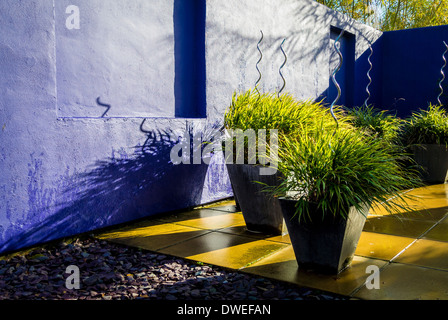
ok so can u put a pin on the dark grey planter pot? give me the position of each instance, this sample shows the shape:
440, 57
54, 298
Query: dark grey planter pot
433, 160
261, 211
325, 246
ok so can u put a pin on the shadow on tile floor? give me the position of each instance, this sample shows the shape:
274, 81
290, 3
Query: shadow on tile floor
410, 250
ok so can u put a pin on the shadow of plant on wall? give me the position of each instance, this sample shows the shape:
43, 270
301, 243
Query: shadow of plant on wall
119, 189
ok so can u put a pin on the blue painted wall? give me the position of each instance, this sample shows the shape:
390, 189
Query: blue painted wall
189, 42
68, 166
88, 116
410, 69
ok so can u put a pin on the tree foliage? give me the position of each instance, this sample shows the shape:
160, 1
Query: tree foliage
387, 15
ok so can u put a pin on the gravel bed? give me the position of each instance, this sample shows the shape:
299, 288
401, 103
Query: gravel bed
113, 272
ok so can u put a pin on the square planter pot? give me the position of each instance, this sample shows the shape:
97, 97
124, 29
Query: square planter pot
433, 158
324, 245
261, 211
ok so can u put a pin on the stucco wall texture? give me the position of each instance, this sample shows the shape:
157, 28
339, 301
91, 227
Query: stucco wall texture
88, 116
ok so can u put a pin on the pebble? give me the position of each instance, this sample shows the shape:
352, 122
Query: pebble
113, 272
195, 293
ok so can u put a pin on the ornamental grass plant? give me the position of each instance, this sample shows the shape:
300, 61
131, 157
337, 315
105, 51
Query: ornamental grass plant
326, 165
376, 123
251, 110
337, 169
429, 126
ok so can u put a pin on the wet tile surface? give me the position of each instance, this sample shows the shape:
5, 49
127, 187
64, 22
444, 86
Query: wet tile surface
240, 229
410, 249
223, 220
153, 237
421, 199
407, 282
427, 253
439, 232
283, 266
397, 226
381, 246
224, 249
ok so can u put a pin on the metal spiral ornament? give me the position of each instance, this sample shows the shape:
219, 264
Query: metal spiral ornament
333, 77
368, 76
443, 74
259, 60
281, 67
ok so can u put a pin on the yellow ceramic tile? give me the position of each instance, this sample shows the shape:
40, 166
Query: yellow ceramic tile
381, 246
223, 249
190, 235
426, 253
433, 191
430, 197
222, 205
407, 282
428, 214
432, 203
152, 237
240, 229
280, 238
190, 215
439, 232
415, 205
397, 226
228, 206
437, 191
216, 221
282, 266
381, 209
347, 281
148, 222
237, 257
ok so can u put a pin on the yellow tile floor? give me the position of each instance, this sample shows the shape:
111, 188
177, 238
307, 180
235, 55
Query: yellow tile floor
410, 250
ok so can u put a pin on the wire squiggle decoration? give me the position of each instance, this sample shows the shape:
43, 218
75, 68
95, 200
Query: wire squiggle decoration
443, 74
333, 78
259, 60
281, 67
368, 76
